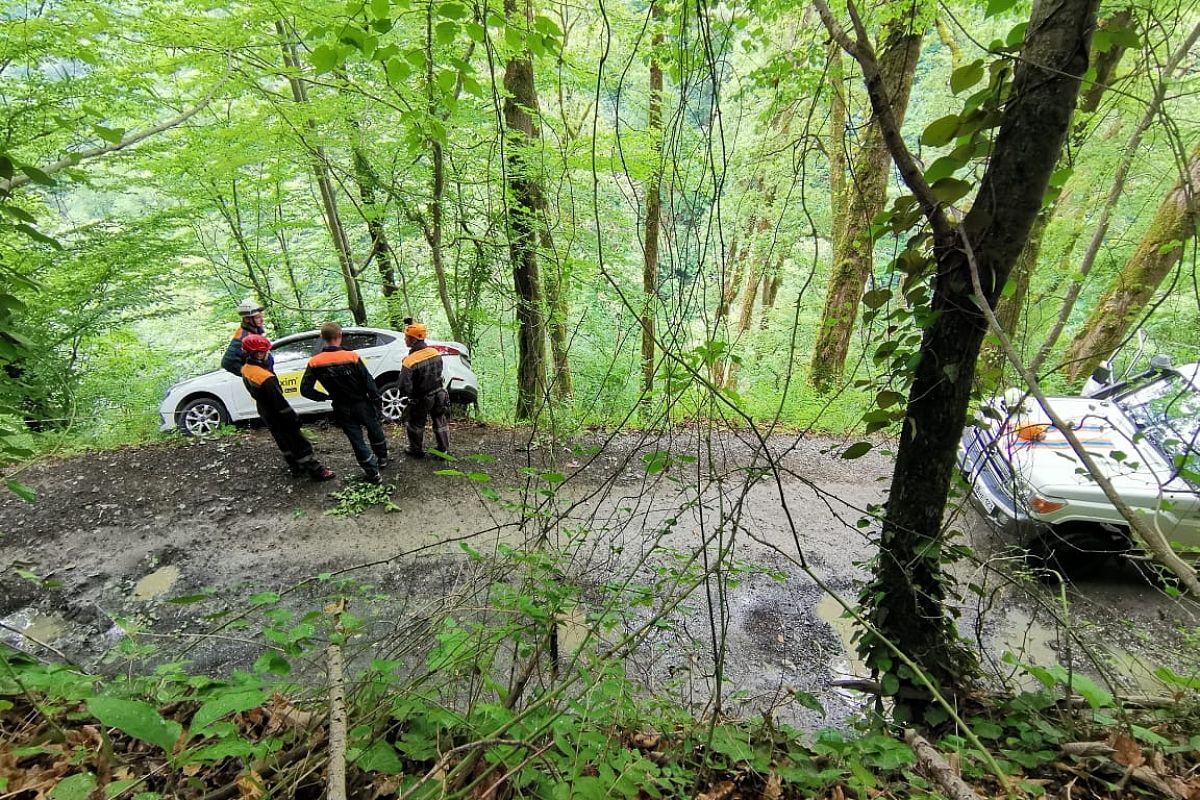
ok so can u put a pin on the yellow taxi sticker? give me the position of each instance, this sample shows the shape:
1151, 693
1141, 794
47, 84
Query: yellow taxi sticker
290, 382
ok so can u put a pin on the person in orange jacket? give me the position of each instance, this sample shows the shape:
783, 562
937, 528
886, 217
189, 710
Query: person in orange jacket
281, 419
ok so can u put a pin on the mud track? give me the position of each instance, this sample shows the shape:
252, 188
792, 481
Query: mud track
118, 534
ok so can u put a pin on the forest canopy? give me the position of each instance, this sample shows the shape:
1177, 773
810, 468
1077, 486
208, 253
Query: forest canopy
687, 209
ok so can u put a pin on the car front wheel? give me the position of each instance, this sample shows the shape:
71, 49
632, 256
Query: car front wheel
1072, 551
202, 416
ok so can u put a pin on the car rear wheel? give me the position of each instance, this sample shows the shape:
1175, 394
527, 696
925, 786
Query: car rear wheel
202, 416
1072, 551
392, 402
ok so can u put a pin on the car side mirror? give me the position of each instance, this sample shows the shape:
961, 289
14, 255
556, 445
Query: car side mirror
1161, 361
1102, 374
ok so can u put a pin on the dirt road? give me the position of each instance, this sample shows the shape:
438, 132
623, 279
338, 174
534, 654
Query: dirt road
121, 533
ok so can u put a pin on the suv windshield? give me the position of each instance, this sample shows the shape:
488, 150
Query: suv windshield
1167, 413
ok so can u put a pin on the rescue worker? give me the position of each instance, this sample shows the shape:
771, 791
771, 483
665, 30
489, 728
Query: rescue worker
356, 399
252, 322
276, 412
421, 382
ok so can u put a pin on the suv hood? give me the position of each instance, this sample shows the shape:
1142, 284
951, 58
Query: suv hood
1043, 457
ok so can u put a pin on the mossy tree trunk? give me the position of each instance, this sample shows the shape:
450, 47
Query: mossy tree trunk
653, 209
524, 215
852, 256
1160, 249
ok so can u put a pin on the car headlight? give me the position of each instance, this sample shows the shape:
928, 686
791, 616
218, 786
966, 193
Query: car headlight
1045, 505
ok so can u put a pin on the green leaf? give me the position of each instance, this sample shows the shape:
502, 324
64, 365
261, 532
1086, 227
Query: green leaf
21, 490
1172, 678
887, 398
943, 167
263, 598
656, 462
379, 9
110, 135
36, 175
223, 706
941, 131
446, 80
139, 720
324, 58
445, 32
476, 32
877, 298
38, 236
272, 662
380, 757
449, 473
966, 76
452, 11
995, 7
857, 450
74, 787
891, 684
118, 787
951, 190
397, 70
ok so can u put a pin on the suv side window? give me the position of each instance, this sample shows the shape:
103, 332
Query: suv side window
300, 348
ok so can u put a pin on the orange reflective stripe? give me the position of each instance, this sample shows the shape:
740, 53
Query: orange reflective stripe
256, 374
413, 359
329, 358
239, 334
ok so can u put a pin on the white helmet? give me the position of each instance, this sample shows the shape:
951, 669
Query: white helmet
248, 307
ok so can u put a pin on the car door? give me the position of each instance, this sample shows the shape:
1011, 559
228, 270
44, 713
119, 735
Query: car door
291, 357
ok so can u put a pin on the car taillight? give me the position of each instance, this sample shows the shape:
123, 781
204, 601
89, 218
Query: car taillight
446, 350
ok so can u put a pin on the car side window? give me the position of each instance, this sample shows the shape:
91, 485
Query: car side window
300, 348
359, 341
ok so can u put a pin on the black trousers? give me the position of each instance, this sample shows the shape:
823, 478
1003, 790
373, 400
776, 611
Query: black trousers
435, 407
297, 450
368, 450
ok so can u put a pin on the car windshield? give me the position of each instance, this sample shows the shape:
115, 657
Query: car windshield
1167, 413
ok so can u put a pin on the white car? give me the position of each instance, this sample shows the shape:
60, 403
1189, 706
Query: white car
1143, 431
200, 405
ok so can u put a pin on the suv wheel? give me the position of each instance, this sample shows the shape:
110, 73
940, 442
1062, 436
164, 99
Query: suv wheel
202, 416
392, 402
1072, 552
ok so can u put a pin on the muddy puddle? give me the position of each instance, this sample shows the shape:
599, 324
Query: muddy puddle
156, 584
28, 626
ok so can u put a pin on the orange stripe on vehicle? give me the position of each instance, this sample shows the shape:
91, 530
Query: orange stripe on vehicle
412, 359
256, 374
332, 357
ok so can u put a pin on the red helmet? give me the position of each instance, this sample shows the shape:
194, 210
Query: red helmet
253, 343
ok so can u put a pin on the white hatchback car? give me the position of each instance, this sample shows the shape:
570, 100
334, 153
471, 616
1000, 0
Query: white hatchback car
200, 405
1144, 432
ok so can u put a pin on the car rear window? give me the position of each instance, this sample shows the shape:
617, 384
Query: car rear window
361, 341
300, 348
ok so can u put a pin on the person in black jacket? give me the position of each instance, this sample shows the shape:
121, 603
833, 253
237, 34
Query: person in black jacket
276, 412
421, 382
355, 397
252, 323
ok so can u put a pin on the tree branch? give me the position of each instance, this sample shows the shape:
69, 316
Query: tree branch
17, 181
862, 52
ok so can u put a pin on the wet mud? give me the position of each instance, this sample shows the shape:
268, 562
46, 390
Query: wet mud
117, 540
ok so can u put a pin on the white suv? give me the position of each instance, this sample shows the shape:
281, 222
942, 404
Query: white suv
198, 406
1144, 432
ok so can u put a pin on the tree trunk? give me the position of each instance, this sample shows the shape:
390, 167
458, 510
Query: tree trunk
770, 291
909, 576
853, 253
434, 231
520, 104
1010, 308
381, 249
333, 220
561, 385
653, 209
836, 145
1156, 255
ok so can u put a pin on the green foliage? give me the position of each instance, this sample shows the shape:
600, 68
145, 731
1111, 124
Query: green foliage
358, 497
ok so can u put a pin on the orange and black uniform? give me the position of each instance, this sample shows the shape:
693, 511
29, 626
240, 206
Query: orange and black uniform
355, 397
281, 419
421, 381
234, 357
